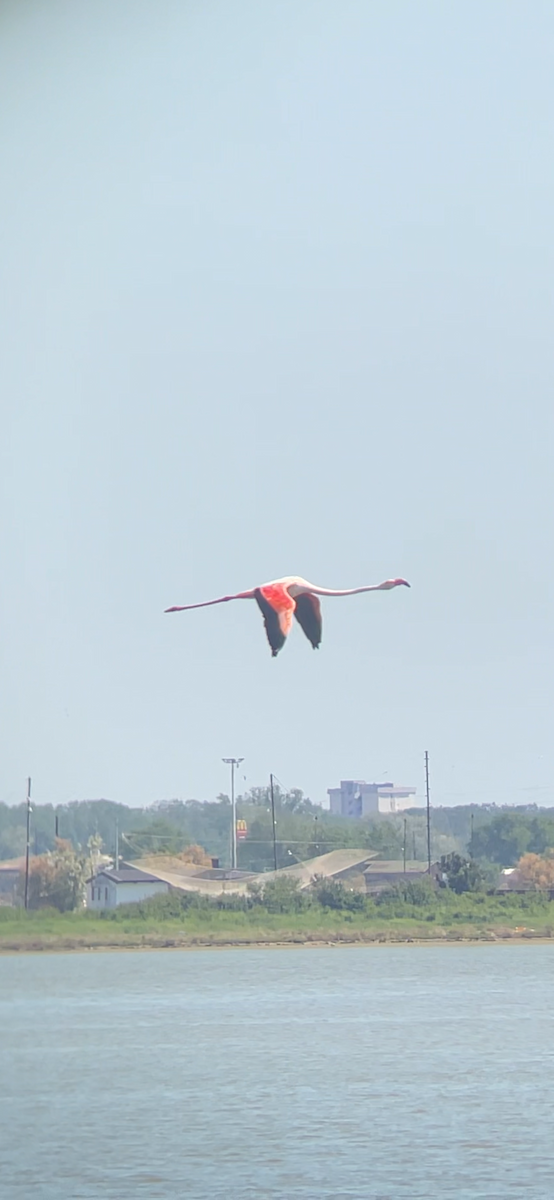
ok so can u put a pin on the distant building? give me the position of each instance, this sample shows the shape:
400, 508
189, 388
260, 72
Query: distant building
108, 887
511, 880
10, 870
186, 877
356, 798
380, 875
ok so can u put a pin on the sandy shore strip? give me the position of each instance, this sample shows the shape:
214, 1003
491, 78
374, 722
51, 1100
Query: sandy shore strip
57, 944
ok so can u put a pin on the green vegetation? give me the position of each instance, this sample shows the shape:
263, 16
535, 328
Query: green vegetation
284, 914
509, 835
57, 878
77, 822
462, 874
492, 837
303, 830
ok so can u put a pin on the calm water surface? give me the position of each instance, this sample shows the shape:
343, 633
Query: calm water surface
381, 1072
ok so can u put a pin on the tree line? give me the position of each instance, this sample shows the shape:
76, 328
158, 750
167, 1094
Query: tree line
302, 830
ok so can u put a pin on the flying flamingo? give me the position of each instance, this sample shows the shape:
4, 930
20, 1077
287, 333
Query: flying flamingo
292, 596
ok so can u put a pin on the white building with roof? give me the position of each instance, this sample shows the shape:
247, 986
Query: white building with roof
356, 798
127, 885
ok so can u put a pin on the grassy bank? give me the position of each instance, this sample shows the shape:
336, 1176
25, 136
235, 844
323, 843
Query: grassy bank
454, 918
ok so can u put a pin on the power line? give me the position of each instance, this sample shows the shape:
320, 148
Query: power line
428, 811
28, 842
273, 821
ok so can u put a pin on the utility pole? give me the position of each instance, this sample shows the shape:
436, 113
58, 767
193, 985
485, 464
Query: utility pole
414, 855
28, 843
117, 844
471, 838
428, 812
273, 821
405, 840
232, 763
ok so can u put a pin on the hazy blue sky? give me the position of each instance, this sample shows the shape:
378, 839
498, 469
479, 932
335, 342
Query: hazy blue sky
277, 298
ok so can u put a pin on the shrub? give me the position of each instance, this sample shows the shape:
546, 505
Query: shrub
462, 874
331, 893
413, 892
538, 870
173, 905
282, 895
56, 879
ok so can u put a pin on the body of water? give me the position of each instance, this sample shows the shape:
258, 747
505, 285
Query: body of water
388, 1073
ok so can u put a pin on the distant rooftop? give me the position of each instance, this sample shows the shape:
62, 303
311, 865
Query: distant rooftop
127, 875
222, 873
13, 864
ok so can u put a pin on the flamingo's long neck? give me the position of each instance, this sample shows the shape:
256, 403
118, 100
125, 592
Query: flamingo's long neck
319, 591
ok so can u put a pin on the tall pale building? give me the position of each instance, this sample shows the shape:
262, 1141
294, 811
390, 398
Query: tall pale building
356, 798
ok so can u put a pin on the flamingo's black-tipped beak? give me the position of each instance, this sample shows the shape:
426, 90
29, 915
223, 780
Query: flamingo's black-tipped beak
404, 582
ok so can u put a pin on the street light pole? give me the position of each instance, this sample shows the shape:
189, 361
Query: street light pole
233, 762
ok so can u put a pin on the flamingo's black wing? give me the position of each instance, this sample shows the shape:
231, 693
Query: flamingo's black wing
275, 635
308, 615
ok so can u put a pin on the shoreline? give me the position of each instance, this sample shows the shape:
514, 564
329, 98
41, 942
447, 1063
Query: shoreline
60, 944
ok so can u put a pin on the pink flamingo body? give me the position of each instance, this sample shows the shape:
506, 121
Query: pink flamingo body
292, 596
